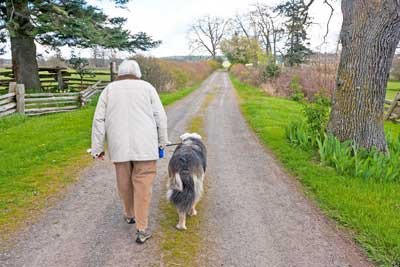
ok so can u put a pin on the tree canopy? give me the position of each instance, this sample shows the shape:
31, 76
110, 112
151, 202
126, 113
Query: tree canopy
241, 49
56, 23
73, 23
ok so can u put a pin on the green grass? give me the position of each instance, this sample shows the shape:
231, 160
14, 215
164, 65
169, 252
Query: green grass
392, 89
39, 157
168, 98
369, 209
42, 155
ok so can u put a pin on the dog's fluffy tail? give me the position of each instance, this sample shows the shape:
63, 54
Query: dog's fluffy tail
182, 194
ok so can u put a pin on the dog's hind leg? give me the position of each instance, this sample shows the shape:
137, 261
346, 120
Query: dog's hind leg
182, 221
193, 211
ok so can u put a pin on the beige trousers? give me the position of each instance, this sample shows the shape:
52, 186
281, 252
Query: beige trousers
134, 183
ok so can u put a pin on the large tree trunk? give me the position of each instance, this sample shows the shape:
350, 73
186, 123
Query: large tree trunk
24, 62
23, 48
369, 36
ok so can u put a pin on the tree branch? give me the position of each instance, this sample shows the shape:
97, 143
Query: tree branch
329, 20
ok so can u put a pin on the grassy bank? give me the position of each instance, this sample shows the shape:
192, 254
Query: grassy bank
42, 155
369, 209
168, 98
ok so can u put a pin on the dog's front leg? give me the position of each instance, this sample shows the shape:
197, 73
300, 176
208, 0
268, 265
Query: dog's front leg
182, 221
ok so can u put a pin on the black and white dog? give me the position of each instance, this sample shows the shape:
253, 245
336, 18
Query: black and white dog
186, 174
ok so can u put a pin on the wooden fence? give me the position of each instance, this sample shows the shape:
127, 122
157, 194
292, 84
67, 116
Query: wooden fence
8, 104
44, 103
60, 78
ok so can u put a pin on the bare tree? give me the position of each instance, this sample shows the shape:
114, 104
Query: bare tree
267, 27
207, 33
260, 23
241, 23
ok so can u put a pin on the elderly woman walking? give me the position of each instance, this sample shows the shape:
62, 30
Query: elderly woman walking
130, 116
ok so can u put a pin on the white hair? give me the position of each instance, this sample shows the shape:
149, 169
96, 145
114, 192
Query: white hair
129, 67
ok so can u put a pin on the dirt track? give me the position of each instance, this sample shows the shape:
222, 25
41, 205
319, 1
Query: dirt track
256, 215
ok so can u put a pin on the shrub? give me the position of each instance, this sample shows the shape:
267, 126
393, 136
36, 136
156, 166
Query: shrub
249, 75
313, 79
347, 158
167, 75
316, 114
81, 66
295, 86
296, 83
271, 70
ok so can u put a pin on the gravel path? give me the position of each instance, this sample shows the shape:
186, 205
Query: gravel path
85, 228
255, 213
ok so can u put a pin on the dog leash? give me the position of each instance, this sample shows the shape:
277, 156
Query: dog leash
176, 144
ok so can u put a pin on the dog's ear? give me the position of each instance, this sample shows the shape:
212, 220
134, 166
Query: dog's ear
177, 183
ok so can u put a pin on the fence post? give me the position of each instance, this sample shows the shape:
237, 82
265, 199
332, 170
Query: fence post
60, 79
392, 106
113, 70
12, 87
20, 92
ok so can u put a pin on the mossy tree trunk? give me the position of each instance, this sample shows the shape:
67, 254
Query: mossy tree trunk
369, 37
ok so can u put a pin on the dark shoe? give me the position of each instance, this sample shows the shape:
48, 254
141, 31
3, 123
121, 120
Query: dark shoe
142, 236
129, 220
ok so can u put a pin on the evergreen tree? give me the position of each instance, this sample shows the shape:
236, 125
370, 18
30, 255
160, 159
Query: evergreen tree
296, 12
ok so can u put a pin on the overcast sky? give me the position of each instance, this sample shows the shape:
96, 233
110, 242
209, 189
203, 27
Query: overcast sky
169, 21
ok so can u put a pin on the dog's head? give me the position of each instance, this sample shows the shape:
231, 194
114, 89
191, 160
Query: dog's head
185, 136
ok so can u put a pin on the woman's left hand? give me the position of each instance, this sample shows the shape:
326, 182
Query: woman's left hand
99, 156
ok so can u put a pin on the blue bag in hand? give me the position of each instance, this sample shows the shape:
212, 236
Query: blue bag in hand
161, 152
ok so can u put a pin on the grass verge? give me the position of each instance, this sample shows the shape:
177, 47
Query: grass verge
180, 248
40, 157
168, 98
369, 209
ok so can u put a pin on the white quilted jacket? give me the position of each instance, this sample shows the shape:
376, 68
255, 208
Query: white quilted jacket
131, 119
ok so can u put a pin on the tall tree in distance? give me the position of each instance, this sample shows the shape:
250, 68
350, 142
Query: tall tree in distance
206, 34
297, 22
56, 23
267, 28
369, 36
260, 23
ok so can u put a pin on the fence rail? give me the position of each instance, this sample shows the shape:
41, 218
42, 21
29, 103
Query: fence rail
60, 78
393, 109
8, 102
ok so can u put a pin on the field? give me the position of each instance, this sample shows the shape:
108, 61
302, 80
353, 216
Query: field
392, 89
370, 210
41, 156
